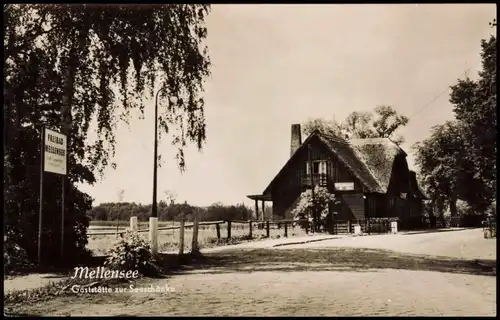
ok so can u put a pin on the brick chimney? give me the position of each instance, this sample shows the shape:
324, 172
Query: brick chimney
296, 140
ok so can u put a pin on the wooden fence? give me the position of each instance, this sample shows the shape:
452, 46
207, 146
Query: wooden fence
370, 226
422, 223
367, 226
121, 232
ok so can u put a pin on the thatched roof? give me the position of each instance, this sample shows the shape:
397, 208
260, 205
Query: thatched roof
370, 160
344, 151
378, 155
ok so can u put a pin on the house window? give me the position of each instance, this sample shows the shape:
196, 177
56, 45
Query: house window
318, 171
319, 167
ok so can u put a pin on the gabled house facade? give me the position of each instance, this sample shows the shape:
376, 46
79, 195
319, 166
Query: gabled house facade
370, 177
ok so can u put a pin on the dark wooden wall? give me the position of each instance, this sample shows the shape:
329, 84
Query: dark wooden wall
288, 186
401, 183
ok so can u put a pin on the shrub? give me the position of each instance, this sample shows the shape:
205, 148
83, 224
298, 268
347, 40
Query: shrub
132, 252
306, 206
15, 258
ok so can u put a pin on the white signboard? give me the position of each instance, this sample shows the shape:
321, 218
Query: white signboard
54, 153
344, 186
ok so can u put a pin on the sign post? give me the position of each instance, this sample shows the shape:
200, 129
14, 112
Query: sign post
40, 199
54, 160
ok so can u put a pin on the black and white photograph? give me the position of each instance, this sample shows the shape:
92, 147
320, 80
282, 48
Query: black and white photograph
250, 159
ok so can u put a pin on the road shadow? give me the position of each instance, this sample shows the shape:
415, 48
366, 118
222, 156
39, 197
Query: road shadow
336, 259
410, 233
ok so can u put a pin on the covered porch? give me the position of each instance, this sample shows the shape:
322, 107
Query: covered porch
260, 214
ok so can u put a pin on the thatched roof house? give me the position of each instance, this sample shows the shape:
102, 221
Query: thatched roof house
371, 176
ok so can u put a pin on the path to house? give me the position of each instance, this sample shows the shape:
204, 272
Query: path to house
451, 242
457, 243
296, 282
274, 243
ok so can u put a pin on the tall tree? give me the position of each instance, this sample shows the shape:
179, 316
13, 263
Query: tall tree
75, 64
357, 125
326, 127
387, 121
440, 159
382, 123
470, 163
475, 104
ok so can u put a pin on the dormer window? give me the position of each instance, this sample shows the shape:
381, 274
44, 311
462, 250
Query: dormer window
319, 167
318, 173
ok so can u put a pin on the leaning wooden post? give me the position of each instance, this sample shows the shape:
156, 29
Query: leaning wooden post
348, 226
194, 244
286, 230
181, 236
229, 229
250, 229
133, 224
267, 229
217, 228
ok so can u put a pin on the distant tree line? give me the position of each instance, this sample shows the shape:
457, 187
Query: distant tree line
168, 212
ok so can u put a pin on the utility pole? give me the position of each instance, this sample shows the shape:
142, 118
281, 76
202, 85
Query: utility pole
153, 220
120, 199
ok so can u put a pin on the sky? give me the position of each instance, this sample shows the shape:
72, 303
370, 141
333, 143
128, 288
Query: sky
276, 65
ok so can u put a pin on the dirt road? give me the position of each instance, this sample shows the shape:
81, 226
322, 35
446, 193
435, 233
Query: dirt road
466, 244
346, 277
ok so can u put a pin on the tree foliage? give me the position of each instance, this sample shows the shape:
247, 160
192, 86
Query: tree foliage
84, 67
440, 159
458, 161
308, 206
326, 127
381, 123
